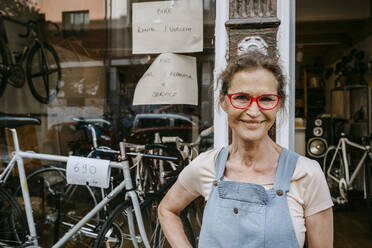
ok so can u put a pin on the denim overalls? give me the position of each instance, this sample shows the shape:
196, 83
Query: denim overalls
247, 215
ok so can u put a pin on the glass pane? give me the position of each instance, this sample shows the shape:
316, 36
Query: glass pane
95, 73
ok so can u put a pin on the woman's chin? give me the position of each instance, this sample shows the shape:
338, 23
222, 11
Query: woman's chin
249, 135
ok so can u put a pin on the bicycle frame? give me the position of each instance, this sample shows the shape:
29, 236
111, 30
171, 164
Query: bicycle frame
342, 145
18, 156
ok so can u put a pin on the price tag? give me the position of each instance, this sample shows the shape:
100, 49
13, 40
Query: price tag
88, 171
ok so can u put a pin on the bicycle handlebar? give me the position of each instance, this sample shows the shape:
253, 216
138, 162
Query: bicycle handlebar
8, 18
29, 25
176, 139
54, 24
171, 139
156, 146
207, 131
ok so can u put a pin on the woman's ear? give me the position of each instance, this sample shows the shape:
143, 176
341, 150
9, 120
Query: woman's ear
223, 103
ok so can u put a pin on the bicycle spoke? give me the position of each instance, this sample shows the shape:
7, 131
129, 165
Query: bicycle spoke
52, 71
43, 73
46, 85
44, 67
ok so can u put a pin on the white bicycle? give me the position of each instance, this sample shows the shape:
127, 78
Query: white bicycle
341, 168
17, 230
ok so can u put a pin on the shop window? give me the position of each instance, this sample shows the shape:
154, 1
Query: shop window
100, 72
75, 21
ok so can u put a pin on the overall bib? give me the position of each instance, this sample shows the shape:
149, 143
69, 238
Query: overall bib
241, 214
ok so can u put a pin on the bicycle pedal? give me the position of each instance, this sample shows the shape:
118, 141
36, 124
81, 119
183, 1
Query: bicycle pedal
340, 200
139, 239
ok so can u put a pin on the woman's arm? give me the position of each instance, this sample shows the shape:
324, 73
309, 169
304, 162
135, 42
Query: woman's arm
174, 202
319, 229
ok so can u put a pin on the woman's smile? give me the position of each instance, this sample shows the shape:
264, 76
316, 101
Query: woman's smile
252, 124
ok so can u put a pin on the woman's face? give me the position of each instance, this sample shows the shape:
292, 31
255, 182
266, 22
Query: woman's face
252, 123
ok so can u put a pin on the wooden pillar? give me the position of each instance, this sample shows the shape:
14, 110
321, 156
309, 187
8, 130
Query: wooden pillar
253, 24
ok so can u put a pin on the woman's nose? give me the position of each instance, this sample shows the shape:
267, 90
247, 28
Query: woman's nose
253, 110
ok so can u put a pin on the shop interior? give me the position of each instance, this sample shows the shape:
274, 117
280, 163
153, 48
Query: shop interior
333, 73
333, 91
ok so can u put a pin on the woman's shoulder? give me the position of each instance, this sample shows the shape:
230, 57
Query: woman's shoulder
209, 155
205, 161
197, 176
307, 168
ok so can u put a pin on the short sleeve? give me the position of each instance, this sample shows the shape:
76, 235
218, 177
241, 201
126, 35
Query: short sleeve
316, 193
189, 178
197, 176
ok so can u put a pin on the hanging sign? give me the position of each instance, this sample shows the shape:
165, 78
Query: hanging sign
167, 26
88, 171
171, 79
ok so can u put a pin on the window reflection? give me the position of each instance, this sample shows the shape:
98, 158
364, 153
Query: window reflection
100, 73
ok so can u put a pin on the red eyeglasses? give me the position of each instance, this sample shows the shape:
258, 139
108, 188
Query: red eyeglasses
264, 102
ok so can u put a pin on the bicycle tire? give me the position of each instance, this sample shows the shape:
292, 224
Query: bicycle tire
368, 179
57, 205
114, 233
3, 69
337, 171
43, 62
13, 225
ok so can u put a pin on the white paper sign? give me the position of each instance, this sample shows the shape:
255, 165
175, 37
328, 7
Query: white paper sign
168, 26
171, 79
88, 171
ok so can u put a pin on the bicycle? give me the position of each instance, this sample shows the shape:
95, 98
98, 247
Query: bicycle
58, 206
42, 67
114, 232
17, 231
152, 178
337, 170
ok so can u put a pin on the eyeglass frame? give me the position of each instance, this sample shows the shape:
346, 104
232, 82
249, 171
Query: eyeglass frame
253, 99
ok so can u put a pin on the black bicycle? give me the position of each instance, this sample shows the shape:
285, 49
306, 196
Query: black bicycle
38, 61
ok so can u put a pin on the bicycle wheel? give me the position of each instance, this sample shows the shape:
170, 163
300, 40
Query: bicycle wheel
3, 69
335, 175
57, 206
368, 180
13, 226
43, 72
115, 231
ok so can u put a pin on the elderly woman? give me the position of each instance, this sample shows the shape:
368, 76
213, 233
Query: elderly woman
258, 193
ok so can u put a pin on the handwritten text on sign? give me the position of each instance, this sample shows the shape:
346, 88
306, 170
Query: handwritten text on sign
168, 26
88, 171
171, 79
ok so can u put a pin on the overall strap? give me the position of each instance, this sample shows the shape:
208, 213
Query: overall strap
286, 166
221, 162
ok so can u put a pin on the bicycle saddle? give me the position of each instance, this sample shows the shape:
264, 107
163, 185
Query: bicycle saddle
17, 121
91, 120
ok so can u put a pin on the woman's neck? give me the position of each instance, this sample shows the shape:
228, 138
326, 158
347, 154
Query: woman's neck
261, 155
